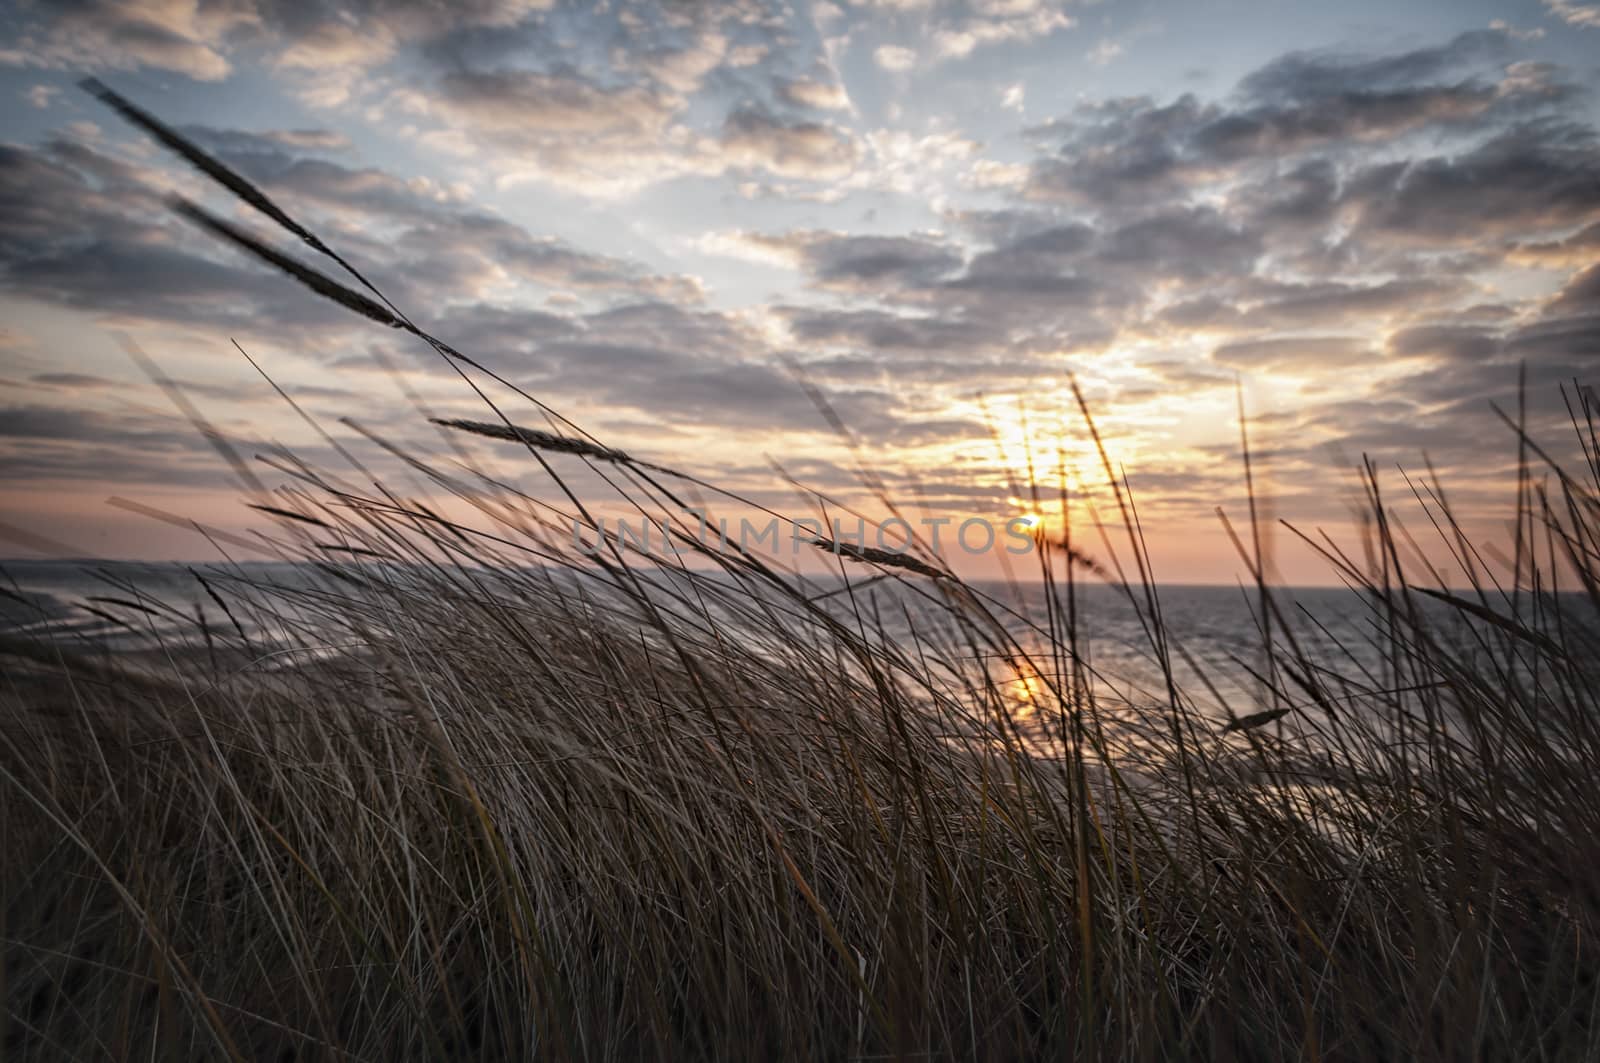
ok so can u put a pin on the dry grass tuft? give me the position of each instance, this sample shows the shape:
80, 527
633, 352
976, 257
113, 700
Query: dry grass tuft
533, 437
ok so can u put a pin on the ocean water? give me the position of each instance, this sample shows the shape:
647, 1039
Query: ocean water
133, 606
88, 602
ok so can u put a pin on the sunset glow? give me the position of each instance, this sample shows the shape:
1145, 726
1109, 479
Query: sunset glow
678, 225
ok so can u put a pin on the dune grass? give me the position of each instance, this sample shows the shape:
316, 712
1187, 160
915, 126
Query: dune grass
475, 793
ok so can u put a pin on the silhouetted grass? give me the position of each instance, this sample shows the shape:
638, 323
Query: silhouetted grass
619, 806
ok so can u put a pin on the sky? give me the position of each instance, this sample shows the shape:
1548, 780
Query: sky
681, 224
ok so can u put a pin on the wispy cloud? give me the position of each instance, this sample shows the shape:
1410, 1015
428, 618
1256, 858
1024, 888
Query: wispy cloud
1585, 15
649, 208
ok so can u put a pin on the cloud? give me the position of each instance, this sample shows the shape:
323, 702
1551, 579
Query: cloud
532, 108
1584, 15
1377, 236
1535, 177
51, 443
1302, 305
1341, 118
1258, 303
82, 229
998, 22
1296, 354
812, 150
1440, 404
1533, 34
1121, 152
1303, 197
170, 35
1103, 52
1447, 343
1317, 75
269, 141
989, 174
498, 82
1190, 242
665, 362
883, 331
894, 58
197, 39
1271, 232
815, 95
70, 380
664, 101
847, 262
433, 240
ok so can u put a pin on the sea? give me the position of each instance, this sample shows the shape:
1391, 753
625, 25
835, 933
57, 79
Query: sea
1212, 644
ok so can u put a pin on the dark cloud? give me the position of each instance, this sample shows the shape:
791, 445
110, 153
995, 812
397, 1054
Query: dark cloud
881, 330
42, 443
85, 231
1120, 152
1306, 196
1453, 343
814, 150
1297, 353
271, 141
63, 189
1198, 215
71, 380
1444, 407
1074, 285
1580, 295
674, 381
915, 432
676, 364
1559, 349
1352, 116
82, 229
55, 424
1203, 312
631, 119
452, 246
1582, 246
505, 336
1308, 99
198, 39
1127, 152
1194, 242
1313, 75
1531, 178
1005, 225
1040, 253
869, 263
1323, 303
532, 107
597, 98
1189, 375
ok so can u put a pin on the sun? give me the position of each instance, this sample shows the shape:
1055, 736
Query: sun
1030, 521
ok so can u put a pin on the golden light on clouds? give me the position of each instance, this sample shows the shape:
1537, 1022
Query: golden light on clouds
732, 237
